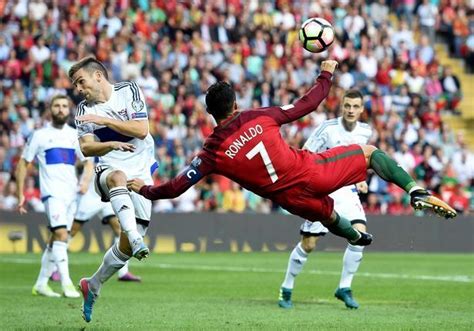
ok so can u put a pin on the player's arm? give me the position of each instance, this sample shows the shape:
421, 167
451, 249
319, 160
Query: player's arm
28, 154
20, 174
87, 169
169, 190
311, 100
176, 186
137, 124
132, 128
87, 174
91, 147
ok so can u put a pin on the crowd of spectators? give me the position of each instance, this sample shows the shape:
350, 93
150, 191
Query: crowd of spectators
455, 24
176, 49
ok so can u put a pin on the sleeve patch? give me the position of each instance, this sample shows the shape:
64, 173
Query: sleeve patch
83, 129
192, 174
287, 107
138, 105
139, 115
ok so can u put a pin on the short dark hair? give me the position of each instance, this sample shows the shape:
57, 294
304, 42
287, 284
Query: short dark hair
353, 94
89, 64
220, 98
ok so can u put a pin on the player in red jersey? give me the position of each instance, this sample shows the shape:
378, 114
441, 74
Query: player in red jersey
247, 147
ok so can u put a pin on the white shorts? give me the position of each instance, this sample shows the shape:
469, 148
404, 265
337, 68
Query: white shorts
346, 204
141, 204
90, 205
60, 212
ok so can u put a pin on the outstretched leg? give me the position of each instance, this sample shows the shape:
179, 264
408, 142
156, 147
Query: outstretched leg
392, 172
342, 227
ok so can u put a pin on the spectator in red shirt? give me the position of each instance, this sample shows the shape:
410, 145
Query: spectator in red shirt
459, 200
396, 205
372, 206
31, 192
431, 114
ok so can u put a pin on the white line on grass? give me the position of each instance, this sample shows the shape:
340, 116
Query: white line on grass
447, 278
150, 264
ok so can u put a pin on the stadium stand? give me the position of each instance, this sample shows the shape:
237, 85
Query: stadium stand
175, 50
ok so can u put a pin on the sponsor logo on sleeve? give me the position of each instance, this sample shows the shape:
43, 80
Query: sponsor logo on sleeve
139, 115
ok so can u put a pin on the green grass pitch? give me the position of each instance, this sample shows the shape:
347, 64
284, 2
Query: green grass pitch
222, 291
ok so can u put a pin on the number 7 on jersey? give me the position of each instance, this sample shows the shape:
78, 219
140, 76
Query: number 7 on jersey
260, 149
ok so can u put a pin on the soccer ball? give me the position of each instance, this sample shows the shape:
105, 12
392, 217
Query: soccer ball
316, 34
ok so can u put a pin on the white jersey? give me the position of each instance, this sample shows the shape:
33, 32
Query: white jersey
332, 133
56, 151
126, 103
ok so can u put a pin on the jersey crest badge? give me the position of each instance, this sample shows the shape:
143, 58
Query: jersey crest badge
138, 105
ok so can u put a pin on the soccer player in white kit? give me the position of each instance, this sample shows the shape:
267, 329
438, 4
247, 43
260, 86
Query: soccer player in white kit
89, 205
112, 123
56, 149
340, 131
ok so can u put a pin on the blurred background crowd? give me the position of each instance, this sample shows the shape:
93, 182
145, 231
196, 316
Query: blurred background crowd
175, 49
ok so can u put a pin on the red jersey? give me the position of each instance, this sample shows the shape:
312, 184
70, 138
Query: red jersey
248, 148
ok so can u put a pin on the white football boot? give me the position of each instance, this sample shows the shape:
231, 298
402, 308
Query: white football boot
69, 291
45, 290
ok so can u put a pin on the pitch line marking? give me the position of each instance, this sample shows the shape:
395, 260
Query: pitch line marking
446, 278
150, 264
